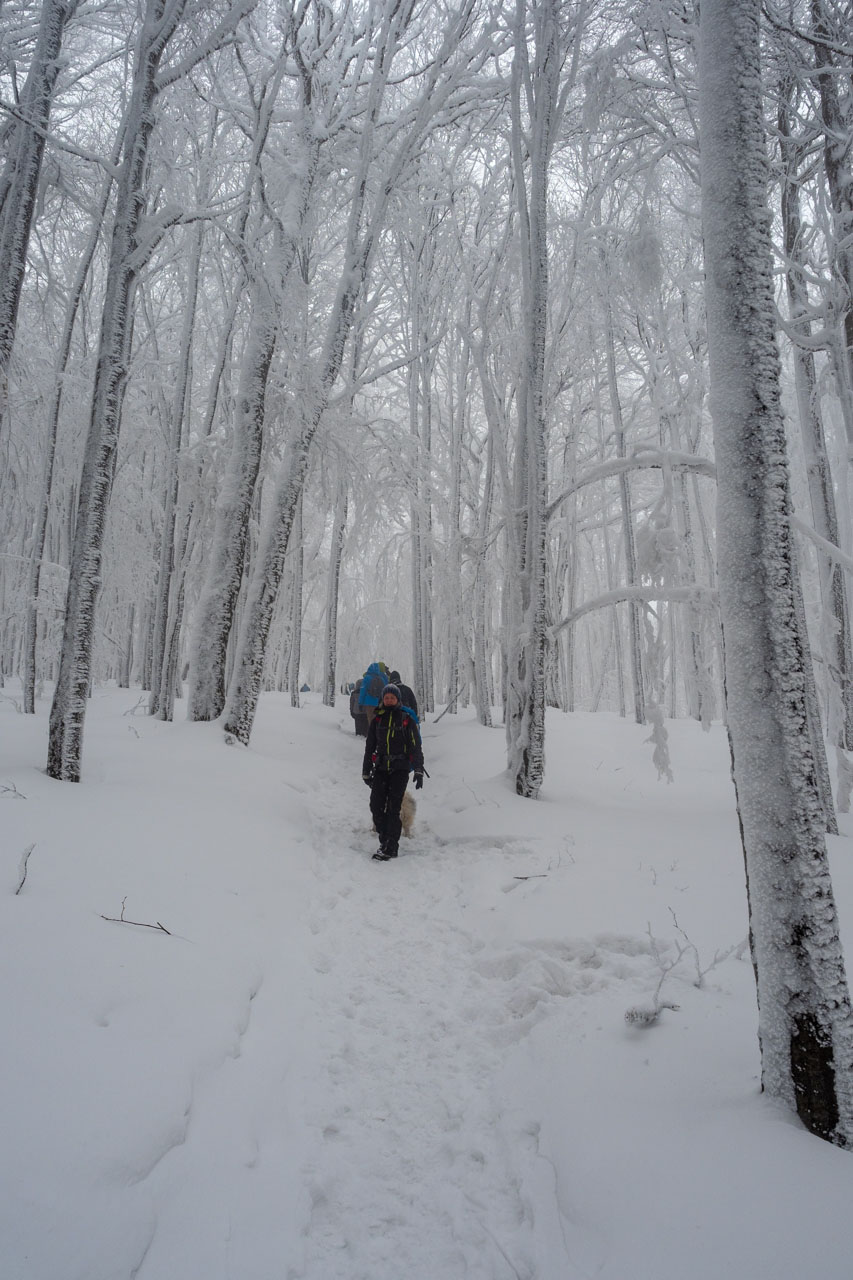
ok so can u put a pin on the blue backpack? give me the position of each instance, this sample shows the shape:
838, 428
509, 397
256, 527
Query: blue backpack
373, 682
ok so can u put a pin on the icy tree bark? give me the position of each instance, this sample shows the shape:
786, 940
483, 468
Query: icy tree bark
161, 700
20, 177
336, 552
40, 528
635, 640
805, 1021
296, 607
69, 703
215, 610
835, 631
482, 673
527, 645
420, 419
838, 159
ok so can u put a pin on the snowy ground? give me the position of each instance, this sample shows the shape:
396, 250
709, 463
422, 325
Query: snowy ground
334, 1069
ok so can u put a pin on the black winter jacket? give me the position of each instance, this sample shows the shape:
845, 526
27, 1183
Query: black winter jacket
408, 699
393, 742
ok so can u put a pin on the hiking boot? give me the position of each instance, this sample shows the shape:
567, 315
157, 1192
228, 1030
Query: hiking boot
381, 856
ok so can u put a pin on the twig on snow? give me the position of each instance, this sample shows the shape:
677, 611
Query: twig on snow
719, 956
140, 924
22, 868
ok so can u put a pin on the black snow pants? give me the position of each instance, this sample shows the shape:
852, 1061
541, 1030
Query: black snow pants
386, 796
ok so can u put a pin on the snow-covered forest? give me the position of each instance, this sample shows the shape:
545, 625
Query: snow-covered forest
507, 341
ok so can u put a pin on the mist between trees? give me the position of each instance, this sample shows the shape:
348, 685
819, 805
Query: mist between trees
488, 339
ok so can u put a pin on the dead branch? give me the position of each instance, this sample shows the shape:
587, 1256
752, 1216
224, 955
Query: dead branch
22, 869
139, 924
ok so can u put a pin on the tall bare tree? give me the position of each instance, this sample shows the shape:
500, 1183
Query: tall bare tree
805, 1019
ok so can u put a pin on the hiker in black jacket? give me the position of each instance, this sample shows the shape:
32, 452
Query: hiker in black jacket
393, 748
407, 695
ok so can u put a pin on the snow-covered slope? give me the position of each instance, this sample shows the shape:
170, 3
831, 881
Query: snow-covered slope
334, 1069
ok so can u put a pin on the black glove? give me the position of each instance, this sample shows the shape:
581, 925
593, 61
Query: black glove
419, 781
368, 778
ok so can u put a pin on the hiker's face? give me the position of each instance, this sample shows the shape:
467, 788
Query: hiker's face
390, 699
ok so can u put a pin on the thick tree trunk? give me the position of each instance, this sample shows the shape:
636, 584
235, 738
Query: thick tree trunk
69, 703
526, 666
40, 529
215, 611
836, 639
20, 177
805, 1021
837, 157
161, 701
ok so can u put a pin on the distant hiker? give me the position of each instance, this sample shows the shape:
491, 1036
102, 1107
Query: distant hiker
356, 711
373, 682
393, 748
407, 696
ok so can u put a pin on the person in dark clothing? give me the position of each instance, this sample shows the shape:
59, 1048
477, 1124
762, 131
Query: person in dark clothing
357, 713
393, 747
407, 695
373, 682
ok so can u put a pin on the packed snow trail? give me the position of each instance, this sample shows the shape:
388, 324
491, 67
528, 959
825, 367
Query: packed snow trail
422, 1167
335, 1069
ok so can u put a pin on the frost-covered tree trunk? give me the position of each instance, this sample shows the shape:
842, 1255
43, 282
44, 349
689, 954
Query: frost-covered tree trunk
837, 118
420, 418
836, 637
225, 561
162, 664
805, 1021
336, 552
535, 88
635, 641
296, 607
20, 177
52, 422
69, 703
482, 673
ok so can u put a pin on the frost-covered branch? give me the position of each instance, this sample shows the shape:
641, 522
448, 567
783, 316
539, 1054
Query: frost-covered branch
57, 141
830, 549
647, 595
220, 34
641, 459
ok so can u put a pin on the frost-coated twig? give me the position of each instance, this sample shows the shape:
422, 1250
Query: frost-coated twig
140, 706
449, 705
719, 956
140, 924
13, 792
645, 1015
22, 867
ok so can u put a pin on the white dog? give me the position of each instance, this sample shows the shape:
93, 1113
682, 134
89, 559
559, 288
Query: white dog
408, 809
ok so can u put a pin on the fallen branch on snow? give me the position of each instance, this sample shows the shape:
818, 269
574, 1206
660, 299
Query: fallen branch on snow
140, 924
22, 869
